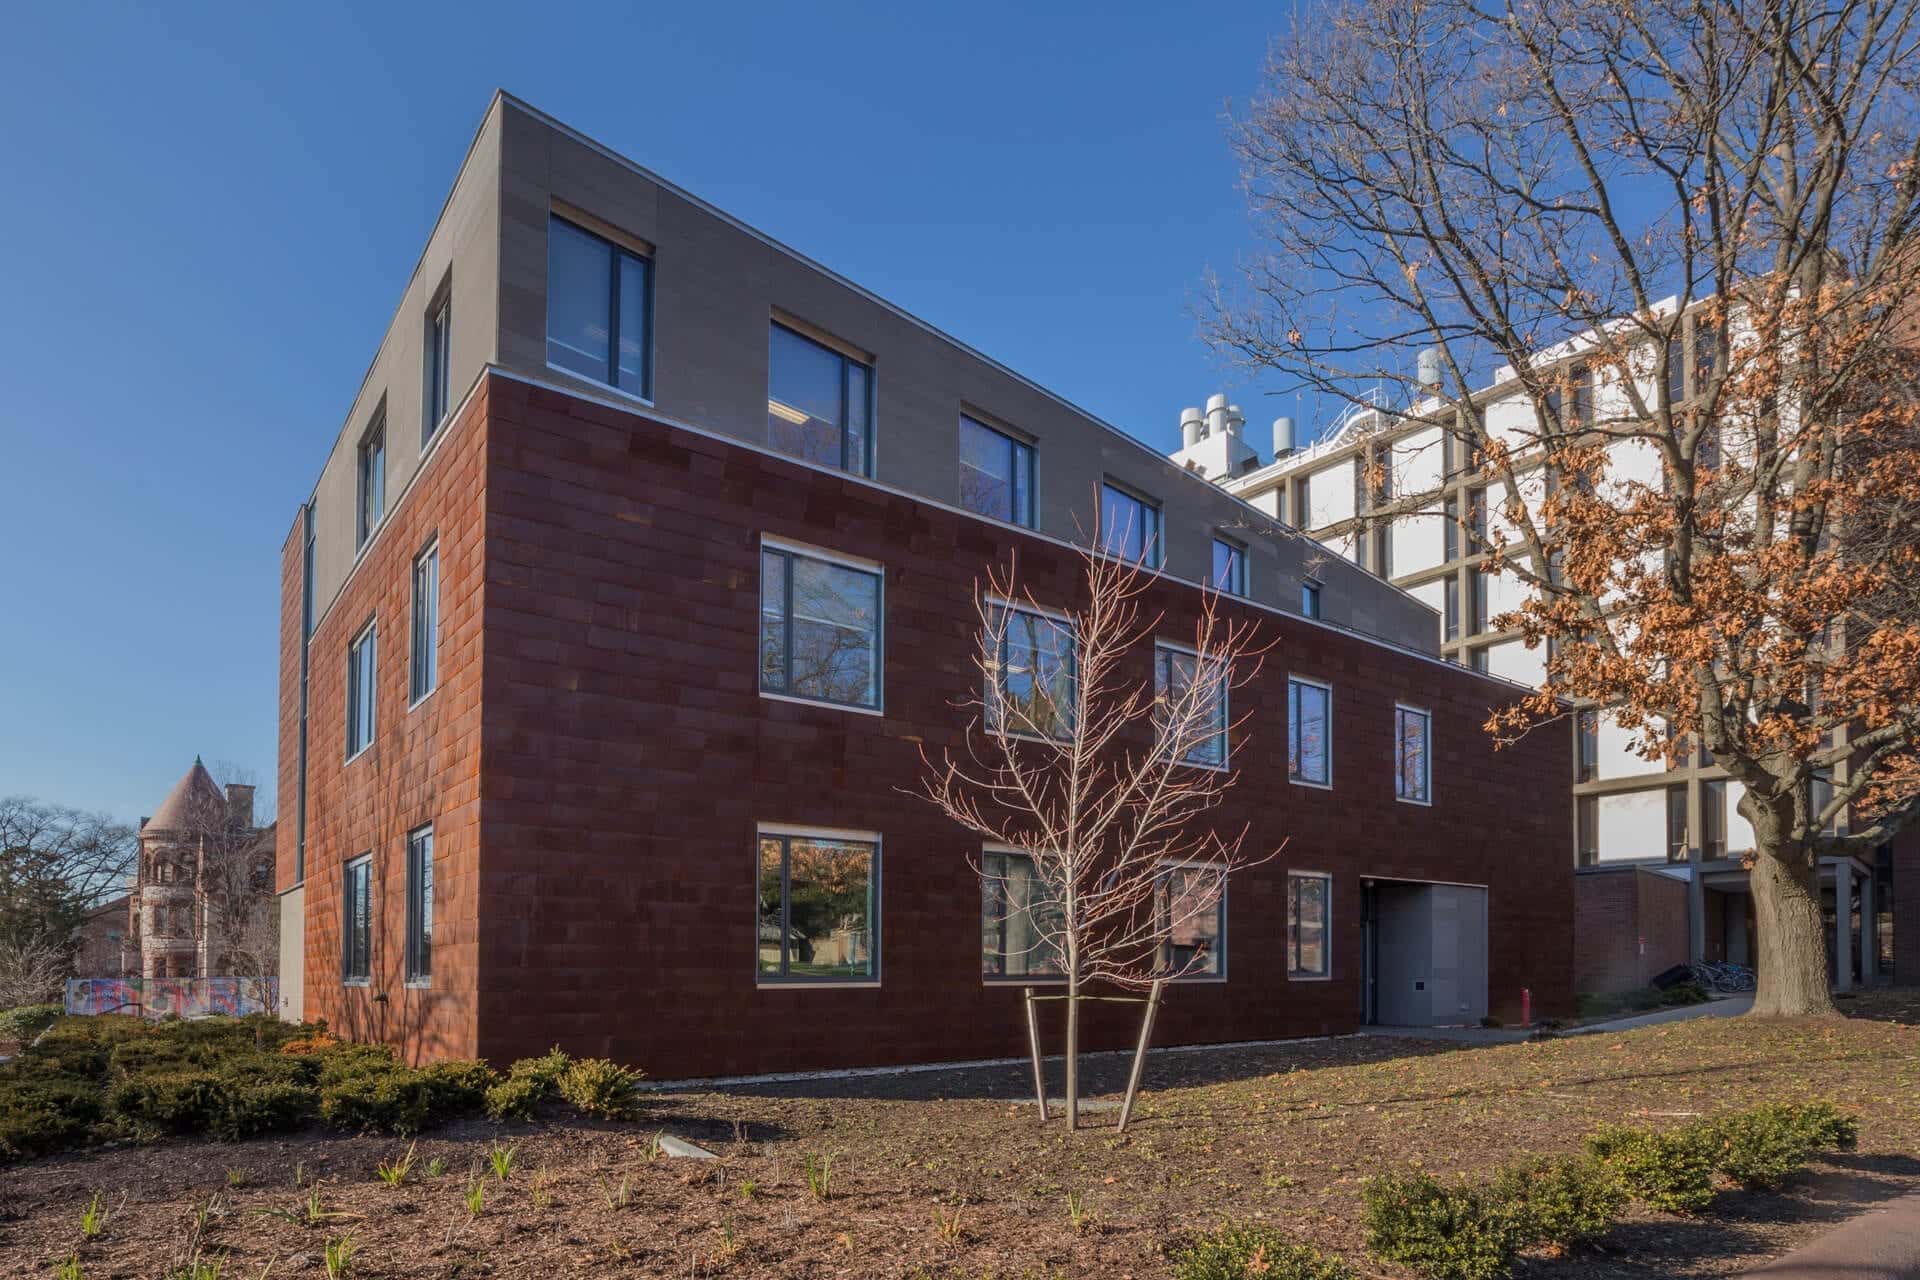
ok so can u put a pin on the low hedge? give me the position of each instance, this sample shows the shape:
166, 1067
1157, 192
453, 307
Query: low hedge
1244, 1252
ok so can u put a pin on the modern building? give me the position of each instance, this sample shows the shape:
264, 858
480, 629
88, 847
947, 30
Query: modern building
200, 901
1393, 489
638, 576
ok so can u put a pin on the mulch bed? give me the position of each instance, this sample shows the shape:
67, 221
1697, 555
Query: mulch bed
947, 1174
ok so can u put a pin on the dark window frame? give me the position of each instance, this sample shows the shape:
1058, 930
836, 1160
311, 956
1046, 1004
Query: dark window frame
1163, 923
617, 252
420, 906
1402, 712
370, 479
1295, 684
996, 907
356, 921
786, 836
996, 687
1236, 584
1296, 971
363, 688
1164, 653
436, 365
423, 657
1024, 478
847, 364
1310, 591
789, 554
1153, 539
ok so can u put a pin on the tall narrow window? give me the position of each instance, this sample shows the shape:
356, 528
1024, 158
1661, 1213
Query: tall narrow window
1450, 607
819, 403
1676, 369
1586, 746
372, 482
1030, 689
360, 690
1477, 659
1020, 918
1310, 599
1477, 593
1677, 823
599, 309
1190, 915
1199, 701
1383, 551
1129, 526
819, 628
1450, 529
819, 908
1582, 378
1476, 519
1706, 355
1301, 506
439, 358
420, 906
996, 473
1307, 915
1586, 833
424, 662
1229, 567
356, 921
1413, 755
1713, 817
1309, 732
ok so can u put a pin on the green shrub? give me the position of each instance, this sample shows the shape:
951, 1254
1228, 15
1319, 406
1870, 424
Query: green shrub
546, 1069
456, 1088
1236, 1252
1442, 1232
1559, 1200
1671, 1171
598, 1087
515, 1098
347, 1059
1826, 1127
41, 1117
29, 1020
187, 1101
264, 1105
397, 1100
1761, 1148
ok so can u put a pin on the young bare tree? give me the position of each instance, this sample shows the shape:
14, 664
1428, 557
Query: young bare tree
1092, 786
1686, 230
56, 864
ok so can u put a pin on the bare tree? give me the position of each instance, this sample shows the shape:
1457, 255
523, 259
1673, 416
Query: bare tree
233, 863
1093, 785
1709, 494
56, 863
32, 971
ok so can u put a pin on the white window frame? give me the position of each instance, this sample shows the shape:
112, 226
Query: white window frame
789, 830
1326, 934
347, 869
432, 548
1013, 979
1407, 708
1293, 729
1220, 907
994, 676
368, 632
858, 564
1226, 710
413, 978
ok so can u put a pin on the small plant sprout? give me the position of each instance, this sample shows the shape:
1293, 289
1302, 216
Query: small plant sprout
69, 1268
501, 1160
1077, 1212
437, 1167
476, 1198
616, 1197
655, 1147
93, 1218
749, 1189
819, 1170
299, 1173
339, 1257
540, 1190
946, 1224
236, 1177
395, 1173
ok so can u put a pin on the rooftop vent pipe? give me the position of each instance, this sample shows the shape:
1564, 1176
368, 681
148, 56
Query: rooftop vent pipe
1192, 427
1216, 415
1282, 438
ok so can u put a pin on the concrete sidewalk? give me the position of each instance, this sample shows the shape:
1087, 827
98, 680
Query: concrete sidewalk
1717, 1007
1881, 1244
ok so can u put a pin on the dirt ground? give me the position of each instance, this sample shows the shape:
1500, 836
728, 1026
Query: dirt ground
948, 1175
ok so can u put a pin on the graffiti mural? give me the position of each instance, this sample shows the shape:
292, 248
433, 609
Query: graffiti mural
173, 997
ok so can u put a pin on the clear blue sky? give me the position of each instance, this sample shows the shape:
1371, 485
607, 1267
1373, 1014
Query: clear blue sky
211, 210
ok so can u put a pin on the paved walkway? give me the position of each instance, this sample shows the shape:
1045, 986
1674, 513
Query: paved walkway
1718, 1007
1881, 1244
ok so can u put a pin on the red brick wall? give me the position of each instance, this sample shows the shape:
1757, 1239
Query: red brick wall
1629, 925
628, 758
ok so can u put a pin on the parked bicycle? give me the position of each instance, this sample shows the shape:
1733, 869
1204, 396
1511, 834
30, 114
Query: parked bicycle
1722, 977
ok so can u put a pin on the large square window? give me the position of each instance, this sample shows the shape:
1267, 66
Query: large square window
1020, 919
1413, 755
420, 906
1030, 688
1307, 917
819, 403
599, 309
1129, 526
819, 628
819, 909
1190, 907
360, 690
996, 473
1179, 680
1309, 732
356, 920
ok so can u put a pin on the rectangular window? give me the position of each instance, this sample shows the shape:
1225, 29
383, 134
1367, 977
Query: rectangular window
1309, 732
1229, 567
1677, 824
599, 309
1582, 378
360, 690
1476, 519
996, 473
1477, 659
1383, 552
1030, 689
1477, 599
1450, 606
420, 906
1301, 507
1310, 599
1190, 917
424, 662
1676, 370
819, 909
1713, 817
1586, 766
356, 921
371, 501
1586, 830
819, 629
1413, 755
439, 358
1202, 707
1706, 353
1019, 919
1450, 529
1307, 917
819, 403
1129, 527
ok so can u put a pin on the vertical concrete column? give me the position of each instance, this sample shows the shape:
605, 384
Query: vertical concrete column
1868, 941
1696, 914
1842, 925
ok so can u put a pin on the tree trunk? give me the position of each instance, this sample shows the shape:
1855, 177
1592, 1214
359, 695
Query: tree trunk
1793, 935
1073, 1053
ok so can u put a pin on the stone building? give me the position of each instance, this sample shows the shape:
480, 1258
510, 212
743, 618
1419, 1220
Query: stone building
200, 903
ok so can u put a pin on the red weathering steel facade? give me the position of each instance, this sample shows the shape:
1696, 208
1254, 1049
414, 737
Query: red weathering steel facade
597, 761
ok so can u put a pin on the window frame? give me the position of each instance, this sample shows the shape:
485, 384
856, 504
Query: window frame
428, 652
1021, 450
1293, 731
418, 975
370, 480
1154, 543
367, 635
819, 555
1295, 973
1236, 567
1401, 710
351, 925
869, 463
1165, 650
1161, 875
1310, 593
991, 719
610, 382
1713, 817
436, 401
1004, 979
786, 833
